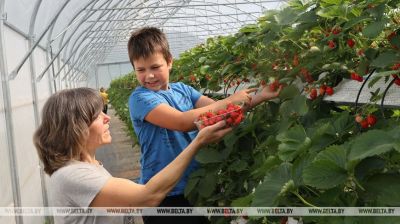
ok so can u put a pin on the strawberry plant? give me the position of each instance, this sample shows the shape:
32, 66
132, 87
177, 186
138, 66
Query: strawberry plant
302, 150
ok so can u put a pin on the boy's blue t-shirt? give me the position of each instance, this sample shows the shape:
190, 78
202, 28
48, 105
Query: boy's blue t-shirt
159, 146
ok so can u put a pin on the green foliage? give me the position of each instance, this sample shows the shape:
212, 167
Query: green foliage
119, 92
298, 151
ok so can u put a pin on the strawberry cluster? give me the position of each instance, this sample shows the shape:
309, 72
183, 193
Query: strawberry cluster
275, 85
366, 122
323, 89
396, 77
233, 115
357, 77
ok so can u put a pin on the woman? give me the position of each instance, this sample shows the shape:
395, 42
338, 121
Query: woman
73, 127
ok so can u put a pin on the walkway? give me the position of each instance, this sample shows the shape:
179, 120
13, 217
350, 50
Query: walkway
120, 158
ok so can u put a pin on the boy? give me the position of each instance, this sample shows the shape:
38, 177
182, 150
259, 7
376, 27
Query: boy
163, 113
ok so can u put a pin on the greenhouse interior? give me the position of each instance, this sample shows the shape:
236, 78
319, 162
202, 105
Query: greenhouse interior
324, 134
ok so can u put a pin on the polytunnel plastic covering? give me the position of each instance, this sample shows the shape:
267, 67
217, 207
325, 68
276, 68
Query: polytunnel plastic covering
85, 33
48, 45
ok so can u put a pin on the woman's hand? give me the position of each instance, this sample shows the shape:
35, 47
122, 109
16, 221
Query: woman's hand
213, 133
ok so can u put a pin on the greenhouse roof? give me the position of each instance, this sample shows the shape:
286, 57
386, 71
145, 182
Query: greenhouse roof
83, 33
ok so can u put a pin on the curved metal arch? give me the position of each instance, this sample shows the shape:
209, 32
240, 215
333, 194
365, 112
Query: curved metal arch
83, 52
213, 25
13, 162
72, 54
63, 33
14, 73
217, 12
73, 47
84, 15
154, 5
81, 57
62, 47
36, 115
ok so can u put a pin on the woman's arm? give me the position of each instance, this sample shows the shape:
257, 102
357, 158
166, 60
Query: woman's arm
123, 193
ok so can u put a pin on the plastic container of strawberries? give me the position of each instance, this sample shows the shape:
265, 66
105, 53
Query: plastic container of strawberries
233, 115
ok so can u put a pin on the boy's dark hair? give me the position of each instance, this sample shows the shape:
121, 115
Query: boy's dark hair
147, 41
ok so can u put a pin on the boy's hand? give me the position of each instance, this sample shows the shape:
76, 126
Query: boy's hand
242, 96
213, 133
268, 94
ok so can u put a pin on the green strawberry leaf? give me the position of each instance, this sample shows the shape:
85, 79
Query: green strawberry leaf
287, 16
374, 142
298, 167
335, 154
297, 106
328, 168
207, 185
268, 193
204, 69
333, 11
190, 186
289, 92
385, 59
293, 142
242, 201
384, 188
209, 156
324, 174
374, 29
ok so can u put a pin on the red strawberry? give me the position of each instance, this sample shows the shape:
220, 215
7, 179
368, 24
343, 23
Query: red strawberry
364, 123
329, 91
192, 78
360, 52
356, 77
295, 60
396, 66
359, 118
371, 119
237, 121
322, 90
263, 83
351, 43
331, 44
274, 85
313, 94
391, 35
397, 81
336, 30
229, 121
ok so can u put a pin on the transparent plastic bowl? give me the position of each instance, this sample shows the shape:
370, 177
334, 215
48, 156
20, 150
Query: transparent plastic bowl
232, 116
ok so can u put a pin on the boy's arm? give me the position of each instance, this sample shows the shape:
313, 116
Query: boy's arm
168, 117
204, 101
